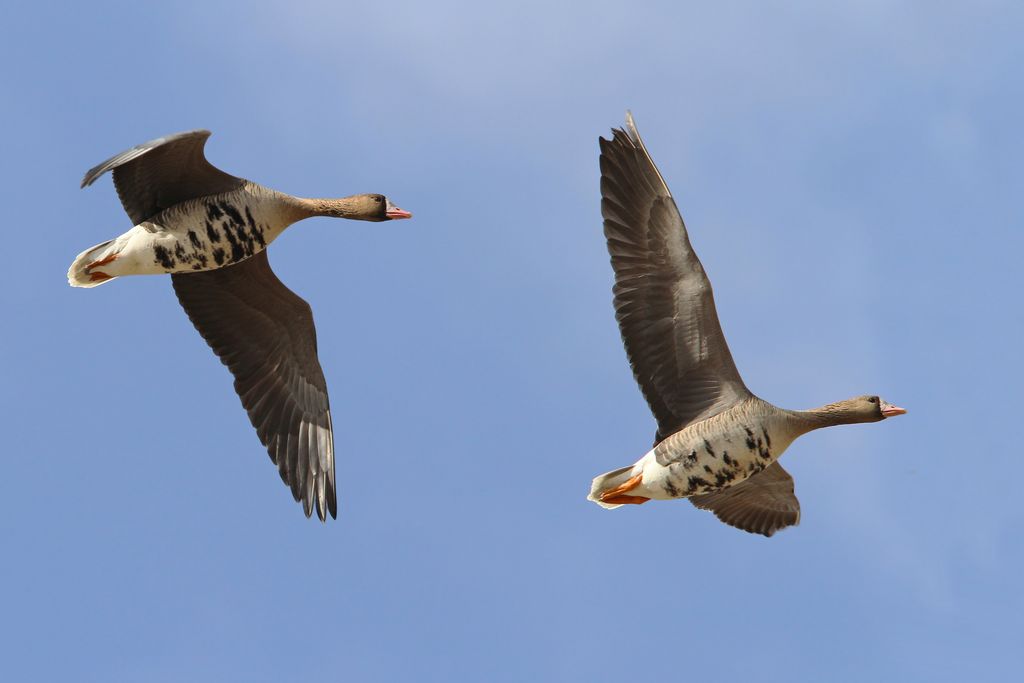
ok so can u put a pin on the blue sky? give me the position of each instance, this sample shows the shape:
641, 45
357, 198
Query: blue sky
851, 178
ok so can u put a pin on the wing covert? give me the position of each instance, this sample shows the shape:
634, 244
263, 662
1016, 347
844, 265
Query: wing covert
163, 172
761, 504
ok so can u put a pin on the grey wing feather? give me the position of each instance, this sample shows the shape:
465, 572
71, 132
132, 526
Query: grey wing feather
264, 333
161, 173
761, 504
663, 299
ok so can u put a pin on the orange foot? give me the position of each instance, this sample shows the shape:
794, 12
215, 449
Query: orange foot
616, 496
623, 499
102, 262
99, 276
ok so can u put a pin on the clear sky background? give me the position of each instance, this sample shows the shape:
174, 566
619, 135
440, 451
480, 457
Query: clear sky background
851, 176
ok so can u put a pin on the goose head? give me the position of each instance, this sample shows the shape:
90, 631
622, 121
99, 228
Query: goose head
861, 409
376, 207
359, 207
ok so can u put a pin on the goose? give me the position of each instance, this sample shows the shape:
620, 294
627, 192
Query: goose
210, 231
716, 442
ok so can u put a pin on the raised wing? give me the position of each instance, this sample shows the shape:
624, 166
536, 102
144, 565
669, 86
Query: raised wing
663, 300
264, 333
761, 504
163, 172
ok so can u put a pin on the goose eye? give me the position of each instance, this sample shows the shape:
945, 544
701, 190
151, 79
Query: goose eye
377, 199
872, 400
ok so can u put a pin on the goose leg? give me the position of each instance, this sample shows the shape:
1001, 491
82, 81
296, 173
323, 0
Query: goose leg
624, 500
102, 262
617, 495
100, 276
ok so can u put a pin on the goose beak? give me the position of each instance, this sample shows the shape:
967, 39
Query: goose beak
393, 212
889, 410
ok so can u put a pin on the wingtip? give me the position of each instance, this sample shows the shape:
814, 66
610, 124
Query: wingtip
325, 511
628, 132
326, 505
323, 508
631, 130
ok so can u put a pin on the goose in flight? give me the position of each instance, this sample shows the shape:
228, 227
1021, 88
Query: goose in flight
716, 443
210, 231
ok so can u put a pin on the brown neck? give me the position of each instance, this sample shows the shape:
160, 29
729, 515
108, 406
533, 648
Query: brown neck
828, 415
344, 207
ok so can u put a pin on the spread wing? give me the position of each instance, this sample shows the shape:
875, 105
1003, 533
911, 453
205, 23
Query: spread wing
761, 504
161, 173
663, 299
264, 333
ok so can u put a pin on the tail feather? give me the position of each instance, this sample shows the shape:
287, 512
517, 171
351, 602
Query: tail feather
78, 274
607, 482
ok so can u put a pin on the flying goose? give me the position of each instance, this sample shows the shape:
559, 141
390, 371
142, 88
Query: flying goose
716, 444
210, 230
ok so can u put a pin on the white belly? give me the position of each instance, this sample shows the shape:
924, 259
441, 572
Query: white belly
197, 235
689, 463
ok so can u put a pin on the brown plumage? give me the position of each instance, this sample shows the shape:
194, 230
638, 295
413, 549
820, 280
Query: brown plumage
210, 230
716, 443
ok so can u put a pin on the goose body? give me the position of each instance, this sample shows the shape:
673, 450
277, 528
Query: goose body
717, 444
195, 235
209, 230
715, 453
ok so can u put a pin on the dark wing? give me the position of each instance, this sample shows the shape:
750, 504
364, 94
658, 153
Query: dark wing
761, 504
264, 333
663, 298
163, 172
